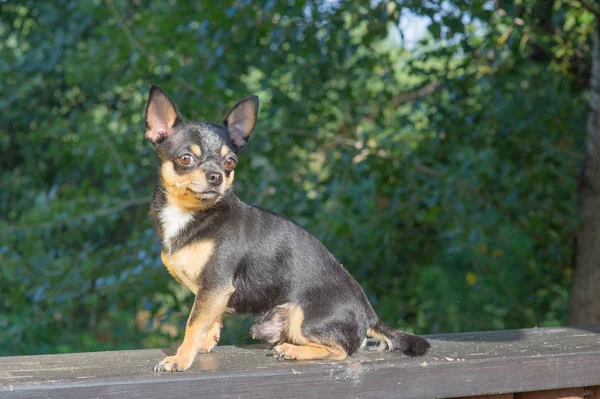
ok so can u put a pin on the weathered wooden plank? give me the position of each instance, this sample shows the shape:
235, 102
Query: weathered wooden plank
497, 396
566, 393
592, 392
465, 364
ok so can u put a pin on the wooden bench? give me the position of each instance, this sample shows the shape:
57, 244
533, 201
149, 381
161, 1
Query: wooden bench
530, 363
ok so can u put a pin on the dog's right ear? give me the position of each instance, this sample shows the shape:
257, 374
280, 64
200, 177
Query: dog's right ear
161, 115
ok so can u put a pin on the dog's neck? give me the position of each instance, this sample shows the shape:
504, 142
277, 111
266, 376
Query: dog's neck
171, 220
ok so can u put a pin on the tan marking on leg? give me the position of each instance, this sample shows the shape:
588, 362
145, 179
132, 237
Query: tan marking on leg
379, 337
298, 346
374, 334
212, 336
187, 264
311, 351
208, 309
225, 150
196, 150
295, 320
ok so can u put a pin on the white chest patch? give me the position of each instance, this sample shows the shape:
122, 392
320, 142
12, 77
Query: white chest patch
173, 220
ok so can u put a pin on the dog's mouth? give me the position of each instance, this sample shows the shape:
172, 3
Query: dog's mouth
205, 195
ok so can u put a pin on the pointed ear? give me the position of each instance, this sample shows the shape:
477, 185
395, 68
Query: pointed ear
161, 115
241, 119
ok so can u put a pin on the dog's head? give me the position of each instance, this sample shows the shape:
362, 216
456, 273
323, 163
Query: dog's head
197, 158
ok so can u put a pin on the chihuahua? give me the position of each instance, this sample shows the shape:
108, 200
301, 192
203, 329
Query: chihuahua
237, 257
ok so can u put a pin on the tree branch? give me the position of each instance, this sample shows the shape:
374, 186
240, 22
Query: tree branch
414, 94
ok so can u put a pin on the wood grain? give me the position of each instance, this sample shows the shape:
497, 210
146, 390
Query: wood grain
458, 365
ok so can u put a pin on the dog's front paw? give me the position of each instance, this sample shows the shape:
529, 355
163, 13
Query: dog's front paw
174, 363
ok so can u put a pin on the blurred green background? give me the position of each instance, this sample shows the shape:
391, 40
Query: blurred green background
434, 147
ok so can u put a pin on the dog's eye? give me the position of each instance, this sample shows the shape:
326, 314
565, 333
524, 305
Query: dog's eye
230, 163
185, 159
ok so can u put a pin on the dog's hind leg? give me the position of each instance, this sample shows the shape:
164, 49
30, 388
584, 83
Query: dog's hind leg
310, 351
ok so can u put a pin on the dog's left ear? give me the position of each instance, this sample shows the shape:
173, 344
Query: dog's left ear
241, 119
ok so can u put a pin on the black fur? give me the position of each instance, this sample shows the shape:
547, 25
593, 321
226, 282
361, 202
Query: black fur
270, 260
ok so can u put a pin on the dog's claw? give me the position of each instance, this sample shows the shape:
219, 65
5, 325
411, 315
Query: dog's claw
279, 355
159, 367
164, 364
174, 368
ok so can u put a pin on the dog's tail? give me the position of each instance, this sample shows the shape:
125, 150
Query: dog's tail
395, 340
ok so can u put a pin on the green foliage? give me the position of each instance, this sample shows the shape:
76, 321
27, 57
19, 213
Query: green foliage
442, 175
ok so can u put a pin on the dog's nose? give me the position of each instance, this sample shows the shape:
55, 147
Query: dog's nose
214, 178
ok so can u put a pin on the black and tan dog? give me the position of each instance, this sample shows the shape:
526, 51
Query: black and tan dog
237, 257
